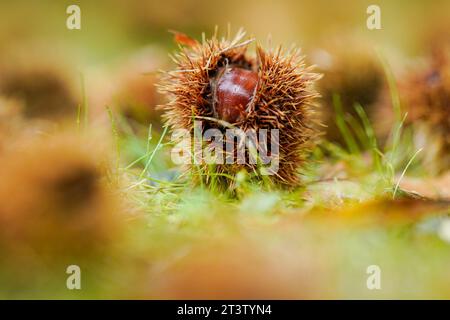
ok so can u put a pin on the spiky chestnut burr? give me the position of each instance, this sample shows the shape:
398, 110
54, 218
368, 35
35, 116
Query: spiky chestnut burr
54, 199
43, 92
351, 72
424, 92
425, 96
216, 81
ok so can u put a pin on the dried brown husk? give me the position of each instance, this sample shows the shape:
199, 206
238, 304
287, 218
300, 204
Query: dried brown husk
284, 99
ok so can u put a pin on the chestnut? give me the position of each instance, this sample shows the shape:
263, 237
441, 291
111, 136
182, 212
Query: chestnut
270, 91
233, 89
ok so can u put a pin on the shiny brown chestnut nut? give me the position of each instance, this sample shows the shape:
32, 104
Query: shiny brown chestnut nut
233, 89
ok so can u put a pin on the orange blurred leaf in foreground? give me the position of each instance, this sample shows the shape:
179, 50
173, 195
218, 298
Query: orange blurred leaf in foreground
183, 39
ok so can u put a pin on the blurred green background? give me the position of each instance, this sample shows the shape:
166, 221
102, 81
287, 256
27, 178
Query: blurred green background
111, 28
